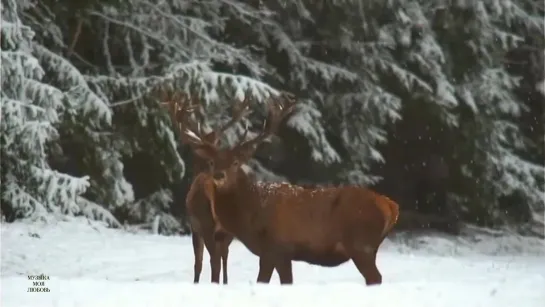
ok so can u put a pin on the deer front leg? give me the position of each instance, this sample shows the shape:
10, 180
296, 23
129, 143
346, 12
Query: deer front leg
198, 249
215, 262
224, 255
266, 268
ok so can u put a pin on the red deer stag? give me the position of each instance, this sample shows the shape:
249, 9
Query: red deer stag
203, 225
282, 222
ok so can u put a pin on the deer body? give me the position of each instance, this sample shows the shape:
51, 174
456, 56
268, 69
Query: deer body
281, 222
323, 226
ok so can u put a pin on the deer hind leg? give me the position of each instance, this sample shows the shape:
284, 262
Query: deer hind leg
365, 261
364, 256
285, 271
198, 250
224, 255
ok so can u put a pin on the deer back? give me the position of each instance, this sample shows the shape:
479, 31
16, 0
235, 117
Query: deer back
320, 215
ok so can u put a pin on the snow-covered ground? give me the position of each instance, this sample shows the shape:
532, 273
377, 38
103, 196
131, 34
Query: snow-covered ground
89, 265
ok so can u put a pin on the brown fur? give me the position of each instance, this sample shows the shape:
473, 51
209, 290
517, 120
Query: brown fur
200, 195
390, 211
321, 226
282, 222
203, 229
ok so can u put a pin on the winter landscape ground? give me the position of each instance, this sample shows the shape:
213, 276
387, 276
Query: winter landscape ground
90, 265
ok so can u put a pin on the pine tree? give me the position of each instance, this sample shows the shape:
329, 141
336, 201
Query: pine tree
387, 57
32, 109
179, 53
363, 72
29, 112
489, 108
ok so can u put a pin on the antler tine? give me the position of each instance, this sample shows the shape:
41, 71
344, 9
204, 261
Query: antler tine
287, 108
180, 111
277, 112
196, 104
240, 109
172, 106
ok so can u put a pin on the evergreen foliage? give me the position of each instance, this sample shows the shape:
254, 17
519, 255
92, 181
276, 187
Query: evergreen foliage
385, 88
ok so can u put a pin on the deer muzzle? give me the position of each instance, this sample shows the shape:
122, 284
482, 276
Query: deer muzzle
218, 176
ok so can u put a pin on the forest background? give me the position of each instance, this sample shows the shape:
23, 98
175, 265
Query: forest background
437, 104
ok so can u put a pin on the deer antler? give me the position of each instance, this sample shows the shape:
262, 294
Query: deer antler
240, 109
190, 132
278, 110
180, 111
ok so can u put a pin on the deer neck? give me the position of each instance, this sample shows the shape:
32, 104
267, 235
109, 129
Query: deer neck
239, 207
243, 193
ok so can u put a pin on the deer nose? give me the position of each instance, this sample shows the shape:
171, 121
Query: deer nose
219, 175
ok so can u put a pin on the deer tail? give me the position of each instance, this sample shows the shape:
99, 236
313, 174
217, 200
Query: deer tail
391, 213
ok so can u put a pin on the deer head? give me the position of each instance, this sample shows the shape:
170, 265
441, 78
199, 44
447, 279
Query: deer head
180, 110
224, 164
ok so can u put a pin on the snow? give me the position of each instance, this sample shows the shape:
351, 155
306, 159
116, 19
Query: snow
540, 86
90, 265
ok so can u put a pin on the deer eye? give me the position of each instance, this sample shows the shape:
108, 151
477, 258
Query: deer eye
236, 163
211, 163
